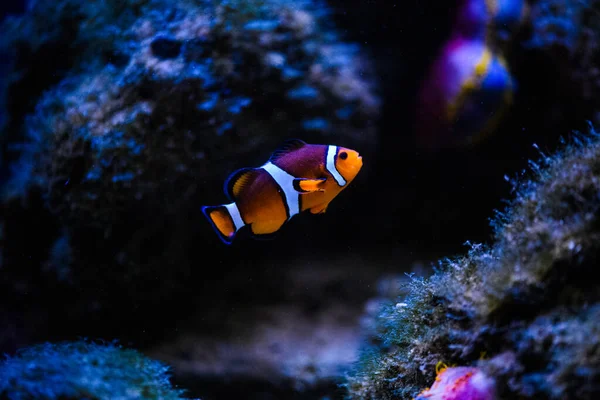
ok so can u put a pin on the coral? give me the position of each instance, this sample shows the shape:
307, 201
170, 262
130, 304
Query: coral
563, 339
28, 49
526, 299
460, 383
76, 370
140, 62
153, 102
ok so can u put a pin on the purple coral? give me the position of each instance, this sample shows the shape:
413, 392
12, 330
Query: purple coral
460, 383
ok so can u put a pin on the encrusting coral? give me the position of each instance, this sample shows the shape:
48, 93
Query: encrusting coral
460, 383
528, 301
82, 369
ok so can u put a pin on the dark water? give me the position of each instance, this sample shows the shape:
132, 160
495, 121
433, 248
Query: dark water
279, 318
13, 8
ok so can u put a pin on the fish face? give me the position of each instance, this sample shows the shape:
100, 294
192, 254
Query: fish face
348, 162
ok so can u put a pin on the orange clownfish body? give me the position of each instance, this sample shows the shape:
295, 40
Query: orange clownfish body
297, 177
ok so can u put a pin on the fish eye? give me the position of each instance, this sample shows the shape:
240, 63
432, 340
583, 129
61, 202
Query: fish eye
343, 155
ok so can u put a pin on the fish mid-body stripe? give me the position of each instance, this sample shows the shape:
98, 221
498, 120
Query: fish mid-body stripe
286, 182
238, 222
330, 165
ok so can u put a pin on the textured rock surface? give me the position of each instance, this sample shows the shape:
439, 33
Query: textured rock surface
527, 301
76, 370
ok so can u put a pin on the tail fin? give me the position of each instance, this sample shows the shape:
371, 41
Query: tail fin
225, 219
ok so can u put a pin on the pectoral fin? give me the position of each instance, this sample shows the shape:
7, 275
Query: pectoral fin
303, 185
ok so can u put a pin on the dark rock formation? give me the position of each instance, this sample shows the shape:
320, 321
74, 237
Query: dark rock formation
523, 309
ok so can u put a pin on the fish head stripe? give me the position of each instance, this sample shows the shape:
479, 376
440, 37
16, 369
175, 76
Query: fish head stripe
330, 164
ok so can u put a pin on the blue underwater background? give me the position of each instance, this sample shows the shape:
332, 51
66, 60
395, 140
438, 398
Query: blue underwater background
469, 238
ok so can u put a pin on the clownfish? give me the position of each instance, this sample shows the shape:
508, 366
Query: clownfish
297, 177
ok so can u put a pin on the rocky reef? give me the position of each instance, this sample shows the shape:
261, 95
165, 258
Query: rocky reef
125, 117
523, 310
82, 369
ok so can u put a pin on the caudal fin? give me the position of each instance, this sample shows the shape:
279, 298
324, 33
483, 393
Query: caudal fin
225, 219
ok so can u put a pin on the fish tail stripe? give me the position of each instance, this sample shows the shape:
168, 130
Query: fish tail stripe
330, 165
225, 219
285, 182
234, 213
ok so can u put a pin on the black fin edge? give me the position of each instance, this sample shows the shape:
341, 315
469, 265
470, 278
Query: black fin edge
287, 146
206, 210
296, 184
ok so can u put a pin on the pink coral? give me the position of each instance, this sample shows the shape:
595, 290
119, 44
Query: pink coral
460, 383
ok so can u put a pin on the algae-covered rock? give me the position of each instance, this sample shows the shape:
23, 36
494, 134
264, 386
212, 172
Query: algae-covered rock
84, 370
128, 116
523, 309
207, 82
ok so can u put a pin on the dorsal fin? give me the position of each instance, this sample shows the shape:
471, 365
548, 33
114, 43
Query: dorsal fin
287, 147
238, 180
